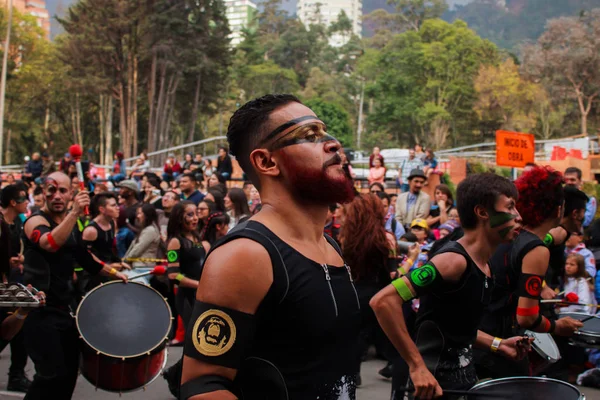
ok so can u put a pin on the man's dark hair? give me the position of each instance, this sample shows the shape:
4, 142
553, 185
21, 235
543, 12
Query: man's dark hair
38, 190
190, 175
100, 200
574, 170
530, 164
246, 127
481, 190
382, 195
575, 199
378, 184
410, 237
11, 192
154, 181
225, 149
248, 183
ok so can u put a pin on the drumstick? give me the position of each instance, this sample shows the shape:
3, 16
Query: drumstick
570, 303
141, 259
158, 270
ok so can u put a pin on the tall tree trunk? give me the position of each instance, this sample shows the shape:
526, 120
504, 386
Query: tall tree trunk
47, 124
108, 130
151, 140
134, 112
7, 158
78, 118
101, 115
171, 106
124, 145
195, 108
73, 123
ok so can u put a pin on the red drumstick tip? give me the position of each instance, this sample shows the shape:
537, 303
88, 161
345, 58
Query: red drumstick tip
159, 270
75, 151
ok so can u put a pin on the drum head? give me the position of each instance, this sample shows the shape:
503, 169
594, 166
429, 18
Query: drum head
526, 388
591, 326
124, 319
544, 345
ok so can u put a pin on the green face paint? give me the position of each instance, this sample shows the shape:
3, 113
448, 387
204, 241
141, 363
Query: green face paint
499, 218
505, 231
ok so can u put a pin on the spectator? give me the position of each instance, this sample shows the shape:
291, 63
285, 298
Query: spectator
224, 166
376, 187
376, 154
217, 226
48, 166
255, 203
414, 203
203, 211
377, 172
141, 167
419, 152
9, 180
75, 186
237, 207
573, 177
33, 169
218, 182
146, 242
246, 188
347, 167
187, 184
198, 160
65, 162
453, 216
528, 167
152, 192
575, 283
172, 169
119, 169
447, 228
420, 229
404, 171
391, 225
187, 163
208, 168
129, 202
217, 197
332, 227
575, 245
443, 203
429, 163
169, 200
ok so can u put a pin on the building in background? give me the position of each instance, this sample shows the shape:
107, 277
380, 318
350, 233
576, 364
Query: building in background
37, 8
240, 14
327, 12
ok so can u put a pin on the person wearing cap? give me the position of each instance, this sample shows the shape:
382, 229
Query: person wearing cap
414, 203
129, 202
447, 228
420, 229
119, 170
172, 168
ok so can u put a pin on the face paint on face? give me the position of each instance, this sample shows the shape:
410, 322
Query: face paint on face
499, 218
309, 133
287, 125
191, 218
505, 231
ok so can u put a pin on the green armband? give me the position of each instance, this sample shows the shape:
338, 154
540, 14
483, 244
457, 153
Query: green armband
403, 289
179, 277
401, 271
548, 240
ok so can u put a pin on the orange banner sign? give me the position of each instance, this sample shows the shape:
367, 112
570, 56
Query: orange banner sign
514, 149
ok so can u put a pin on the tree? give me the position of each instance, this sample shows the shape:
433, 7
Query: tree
268, 78
566, 59
335, 118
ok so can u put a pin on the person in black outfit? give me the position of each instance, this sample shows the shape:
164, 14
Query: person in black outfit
454, 287
51, 247
14, 203
185, 253
224, 166
515, 308
277, 315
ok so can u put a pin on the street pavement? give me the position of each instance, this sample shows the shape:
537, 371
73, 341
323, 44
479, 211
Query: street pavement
374, 387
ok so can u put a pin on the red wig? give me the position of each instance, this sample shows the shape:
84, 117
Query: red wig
540, 194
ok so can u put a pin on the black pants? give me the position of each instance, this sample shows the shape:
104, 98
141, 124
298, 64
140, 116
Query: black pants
52, 342
18, 355
184, 308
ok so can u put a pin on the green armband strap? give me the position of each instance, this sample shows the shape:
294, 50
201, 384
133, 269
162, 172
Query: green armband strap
401, 271
179, 277
548, 240
402, 289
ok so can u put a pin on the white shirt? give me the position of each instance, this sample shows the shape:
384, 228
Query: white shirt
580, 287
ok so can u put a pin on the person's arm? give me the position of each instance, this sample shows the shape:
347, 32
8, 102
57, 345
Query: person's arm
431, 220
244, 267
138, 247
590, 212
174, 270
443, 214
92, 263
584, 294
399, 216
514, 348
387, 305
424, 206
39, 233
590, 264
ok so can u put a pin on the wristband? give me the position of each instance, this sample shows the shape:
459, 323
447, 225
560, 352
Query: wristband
113, 271
528, 312
544, 283
495, 344
552, 326
19, 316
179, 277
401, 271
409, 260
52, 242
402, 289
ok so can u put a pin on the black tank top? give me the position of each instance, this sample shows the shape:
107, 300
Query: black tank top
456, 309
191, 257
104, 247
307, 327
51, 272
506, 265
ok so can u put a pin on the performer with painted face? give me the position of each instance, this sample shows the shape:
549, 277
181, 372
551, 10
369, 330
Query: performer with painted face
185, 253
454, 287
277, 315
521, 267
51, 239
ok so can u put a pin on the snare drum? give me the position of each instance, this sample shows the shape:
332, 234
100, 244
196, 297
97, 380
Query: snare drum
124, 329
589, 335
525, 388
546, 352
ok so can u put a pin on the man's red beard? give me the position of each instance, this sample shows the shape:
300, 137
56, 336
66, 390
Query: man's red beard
318, 184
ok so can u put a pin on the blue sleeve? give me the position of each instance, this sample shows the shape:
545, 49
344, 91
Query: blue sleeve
590, 212
433, 163
123, 167
399, 230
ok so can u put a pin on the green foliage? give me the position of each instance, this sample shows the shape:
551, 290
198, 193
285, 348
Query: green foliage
336, 119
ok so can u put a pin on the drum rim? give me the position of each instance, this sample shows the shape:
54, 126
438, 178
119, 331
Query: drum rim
147, 352
536, 347
582, 332
523, 378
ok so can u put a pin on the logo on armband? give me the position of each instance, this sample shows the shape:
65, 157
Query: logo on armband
172, 256
533, 285
35, 236
423, 276
214, 333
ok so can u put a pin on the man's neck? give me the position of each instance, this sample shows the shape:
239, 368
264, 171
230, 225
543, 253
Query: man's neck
188, 192
478, 245
56, 217
542, 230
9, 215
415, 193
103, 221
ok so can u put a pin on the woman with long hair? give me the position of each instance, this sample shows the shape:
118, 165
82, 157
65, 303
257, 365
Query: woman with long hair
236, 205
218, 182
146, 243
216, 227
370, 252
442, 203
185, 253
217, 197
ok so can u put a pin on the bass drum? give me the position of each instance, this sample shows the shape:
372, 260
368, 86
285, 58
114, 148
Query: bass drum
124, 329
525, 388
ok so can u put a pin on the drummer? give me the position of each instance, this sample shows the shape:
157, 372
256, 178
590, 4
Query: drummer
50, 238
454, 287
520, 268
185, 253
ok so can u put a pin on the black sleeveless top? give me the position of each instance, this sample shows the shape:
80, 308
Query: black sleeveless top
52, 272
307, 327
191, 258
456, 309
104, 247
507, 265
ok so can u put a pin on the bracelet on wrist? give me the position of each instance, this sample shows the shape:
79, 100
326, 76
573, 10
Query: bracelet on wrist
113, 271
495, 344
18, 315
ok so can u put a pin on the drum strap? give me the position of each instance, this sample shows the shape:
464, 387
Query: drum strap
204, 384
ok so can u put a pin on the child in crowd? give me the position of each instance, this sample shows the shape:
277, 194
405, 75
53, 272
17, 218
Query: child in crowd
576, 286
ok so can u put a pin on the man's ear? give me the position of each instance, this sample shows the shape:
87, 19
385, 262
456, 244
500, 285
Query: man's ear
482, 213
263, 162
